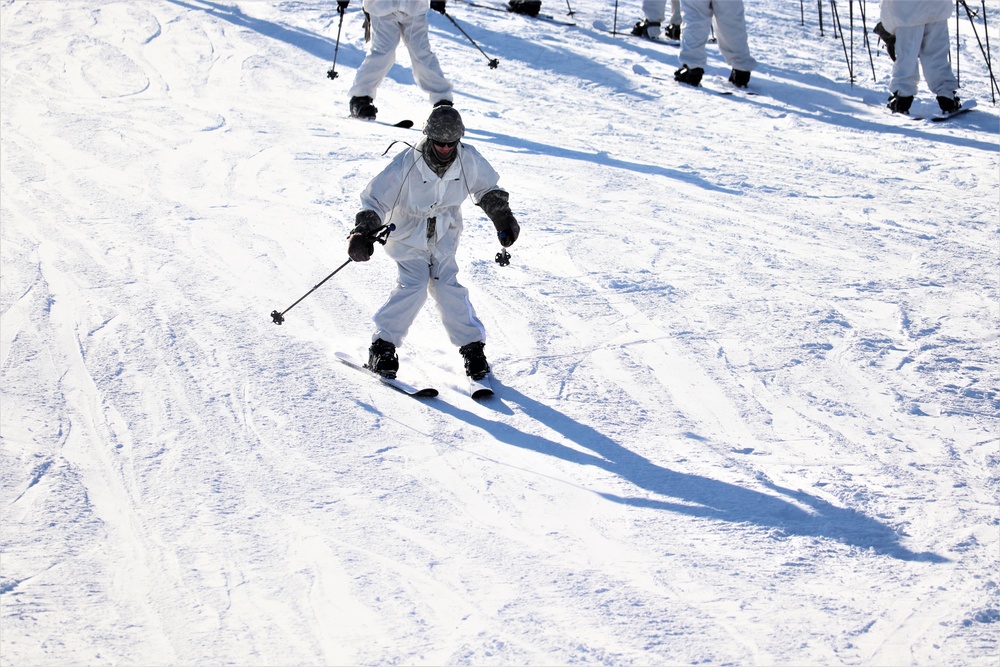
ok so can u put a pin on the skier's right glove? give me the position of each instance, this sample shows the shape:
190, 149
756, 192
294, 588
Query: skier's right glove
342, 5
361, 242
438, 5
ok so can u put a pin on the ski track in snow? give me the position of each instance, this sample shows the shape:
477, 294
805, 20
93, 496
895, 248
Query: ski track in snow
745, 354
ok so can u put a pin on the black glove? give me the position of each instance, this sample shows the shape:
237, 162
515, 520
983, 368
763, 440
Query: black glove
342, 5
888, 38
438, 5
529, 7
361, 242
360, 247
494, 203
508, 232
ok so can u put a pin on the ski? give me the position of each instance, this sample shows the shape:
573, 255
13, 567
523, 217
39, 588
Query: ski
405, 124
480, 389
915, 115
967, 105
726, 87
398, 385
493, 8
707, 85
604, 27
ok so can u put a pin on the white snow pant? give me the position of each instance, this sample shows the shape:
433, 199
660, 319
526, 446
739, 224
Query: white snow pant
656, 10
418, 277
386, 32
731, 30
929, 45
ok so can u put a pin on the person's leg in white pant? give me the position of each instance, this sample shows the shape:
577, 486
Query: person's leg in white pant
731, 29
696, 26
934, 60
393, 319
457, 313
426, 69
905, 70
381, 56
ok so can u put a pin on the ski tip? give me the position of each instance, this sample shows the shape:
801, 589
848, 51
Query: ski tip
404, 123
426, 393
480, 394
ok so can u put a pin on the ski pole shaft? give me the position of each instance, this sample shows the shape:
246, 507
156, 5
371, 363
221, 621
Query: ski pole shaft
332, 73
278, 318
493, 62
380, 235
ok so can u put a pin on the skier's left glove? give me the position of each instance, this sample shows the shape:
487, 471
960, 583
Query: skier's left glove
342, 5
494, 203
507, 231
438, 5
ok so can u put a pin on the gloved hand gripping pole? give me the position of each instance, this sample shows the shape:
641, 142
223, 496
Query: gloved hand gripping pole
381, 235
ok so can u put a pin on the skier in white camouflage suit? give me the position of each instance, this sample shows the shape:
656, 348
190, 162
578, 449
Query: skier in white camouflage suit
421, 192
731, 31
918, 33
391, 20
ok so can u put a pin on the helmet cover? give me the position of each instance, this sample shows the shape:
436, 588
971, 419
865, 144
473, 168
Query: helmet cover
444, 125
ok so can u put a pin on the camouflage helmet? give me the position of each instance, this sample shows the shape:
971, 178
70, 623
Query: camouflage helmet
444, 125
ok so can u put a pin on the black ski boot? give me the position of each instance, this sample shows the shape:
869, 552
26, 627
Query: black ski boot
692, 77
739, 78
476, 366
362, 107
529, 7
646, 28
949, 104
900, 103
382, 359
672, 31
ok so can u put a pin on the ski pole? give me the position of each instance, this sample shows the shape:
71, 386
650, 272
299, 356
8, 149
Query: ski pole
380, 235
868, 43
989, 54
332, 73
984, 51
493, 62
570, 12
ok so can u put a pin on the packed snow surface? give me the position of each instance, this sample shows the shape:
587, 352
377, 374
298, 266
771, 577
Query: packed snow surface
746, 350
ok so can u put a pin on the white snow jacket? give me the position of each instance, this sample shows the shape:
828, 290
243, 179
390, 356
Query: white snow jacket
408, 192
899, 13
386, 7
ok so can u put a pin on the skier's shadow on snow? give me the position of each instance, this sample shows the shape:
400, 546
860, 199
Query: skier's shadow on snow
313, 44
596, 157
788, 511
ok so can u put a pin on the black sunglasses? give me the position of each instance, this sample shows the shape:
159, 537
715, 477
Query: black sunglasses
445, 144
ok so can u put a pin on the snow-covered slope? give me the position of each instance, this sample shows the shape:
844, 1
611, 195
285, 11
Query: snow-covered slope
746, 352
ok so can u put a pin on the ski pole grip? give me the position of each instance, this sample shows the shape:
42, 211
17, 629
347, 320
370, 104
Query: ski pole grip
382, 233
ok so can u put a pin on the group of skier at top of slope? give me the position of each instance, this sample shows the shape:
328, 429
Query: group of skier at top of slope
419, 194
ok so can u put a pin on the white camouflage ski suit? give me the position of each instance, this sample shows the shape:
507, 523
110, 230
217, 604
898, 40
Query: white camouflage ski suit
731, 30
408, 194
921, 30
391, 20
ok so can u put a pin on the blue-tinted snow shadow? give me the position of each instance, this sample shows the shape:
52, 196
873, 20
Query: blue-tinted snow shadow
691, 495
812, 96
597, 157
313, 44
